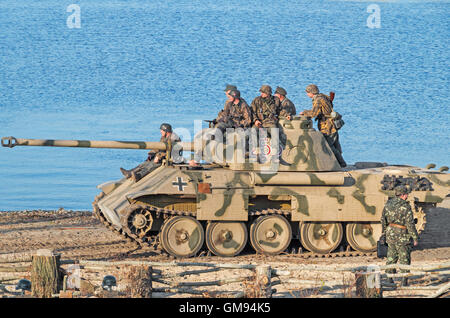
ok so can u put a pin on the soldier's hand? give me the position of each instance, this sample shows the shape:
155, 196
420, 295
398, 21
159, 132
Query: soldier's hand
288, 117
258, 123
156, 160
416, 243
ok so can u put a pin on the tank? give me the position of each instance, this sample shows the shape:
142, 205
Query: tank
225, 205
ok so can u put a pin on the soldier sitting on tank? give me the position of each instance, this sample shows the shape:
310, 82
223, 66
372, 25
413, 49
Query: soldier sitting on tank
287, 107
321, 111
236, 114
227, 89
265, 111
155, 158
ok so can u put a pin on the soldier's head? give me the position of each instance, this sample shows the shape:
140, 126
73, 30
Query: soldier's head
234, 95
165, 129
228, 88
401, 191
266, 91
280, 92
312, 90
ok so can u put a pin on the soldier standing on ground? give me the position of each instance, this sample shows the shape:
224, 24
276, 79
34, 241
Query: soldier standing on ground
398, 227
321, 111
287, 107
155, 158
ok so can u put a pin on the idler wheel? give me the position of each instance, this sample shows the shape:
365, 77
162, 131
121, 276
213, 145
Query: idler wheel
270, 234
363, 237
137, 221
321, 238
226, 238
182, 236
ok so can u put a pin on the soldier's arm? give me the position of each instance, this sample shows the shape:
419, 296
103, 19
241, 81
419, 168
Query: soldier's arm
247, 121
410, 223
315, 111
254, 109
383, 221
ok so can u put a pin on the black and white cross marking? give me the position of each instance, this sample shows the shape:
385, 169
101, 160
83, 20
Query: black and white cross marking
179, 182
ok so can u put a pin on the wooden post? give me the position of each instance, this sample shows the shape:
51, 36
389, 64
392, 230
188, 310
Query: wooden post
263, 281
45, 274
138, 281
368, 285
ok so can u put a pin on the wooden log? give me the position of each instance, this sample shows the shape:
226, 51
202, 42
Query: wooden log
441, 291
138, 280
14, 269
368, 285
164, 264
45, 274
263, 279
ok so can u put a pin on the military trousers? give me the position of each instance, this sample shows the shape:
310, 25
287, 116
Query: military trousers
333, 142
144, 169
398, 252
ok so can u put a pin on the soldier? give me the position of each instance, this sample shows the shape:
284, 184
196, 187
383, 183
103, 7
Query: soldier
398, 228
236, 113
287, 107
155, 158
227, 89
321, 111
265, 109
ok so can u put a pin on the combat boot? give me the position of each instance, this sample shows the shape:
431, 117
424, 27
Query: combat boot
126, 173
404, 281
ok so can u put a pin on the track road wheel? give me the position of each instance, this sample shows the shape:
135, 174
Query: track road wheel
321, 238
270, 234
182, 236
226, 238
363, 237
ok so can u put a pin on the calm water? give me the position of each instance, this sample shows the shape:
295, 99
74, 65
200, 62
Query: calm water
135, 64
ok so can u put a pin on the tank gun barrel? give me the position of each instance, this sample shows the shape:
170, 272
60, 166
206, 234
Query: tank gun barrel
11, 142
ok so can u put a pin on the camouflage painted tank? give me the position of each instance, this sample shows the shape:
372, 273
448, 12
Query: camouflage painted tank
230, 204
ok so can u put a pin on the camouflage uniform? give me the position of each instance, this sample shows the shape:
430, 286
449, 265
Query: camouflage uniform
149, 165
321, 111
398, 212
266, 110
235, 115
287, 108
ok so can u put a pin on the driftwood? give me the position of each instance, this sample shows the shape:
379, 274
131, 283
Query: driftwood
441, 291
209, 283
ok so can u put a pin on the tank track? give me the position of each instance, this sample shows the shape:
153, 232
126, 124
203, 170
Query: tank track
153, 240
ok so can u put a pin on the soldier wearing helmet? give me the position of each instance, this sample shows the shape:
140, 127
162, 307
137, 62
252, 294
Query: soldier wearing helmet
321, 111
155, 158
236, 113
221, 115
265, 109
287, 107
398, 228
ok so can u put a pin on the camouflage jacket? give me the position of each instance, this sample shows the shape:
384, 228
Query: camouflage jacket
398, 211
287, 108
322, 108
237, 115
266, 110
170, 141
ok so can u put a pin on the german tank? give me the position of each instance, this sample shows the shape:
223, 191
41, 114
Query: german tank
228, 204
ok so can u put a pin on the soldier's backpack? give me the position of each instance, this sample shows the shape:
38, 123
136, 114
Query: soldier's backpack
335, 116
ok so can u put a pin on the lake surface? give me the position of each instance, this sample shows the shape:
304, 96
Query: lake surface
135, 64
